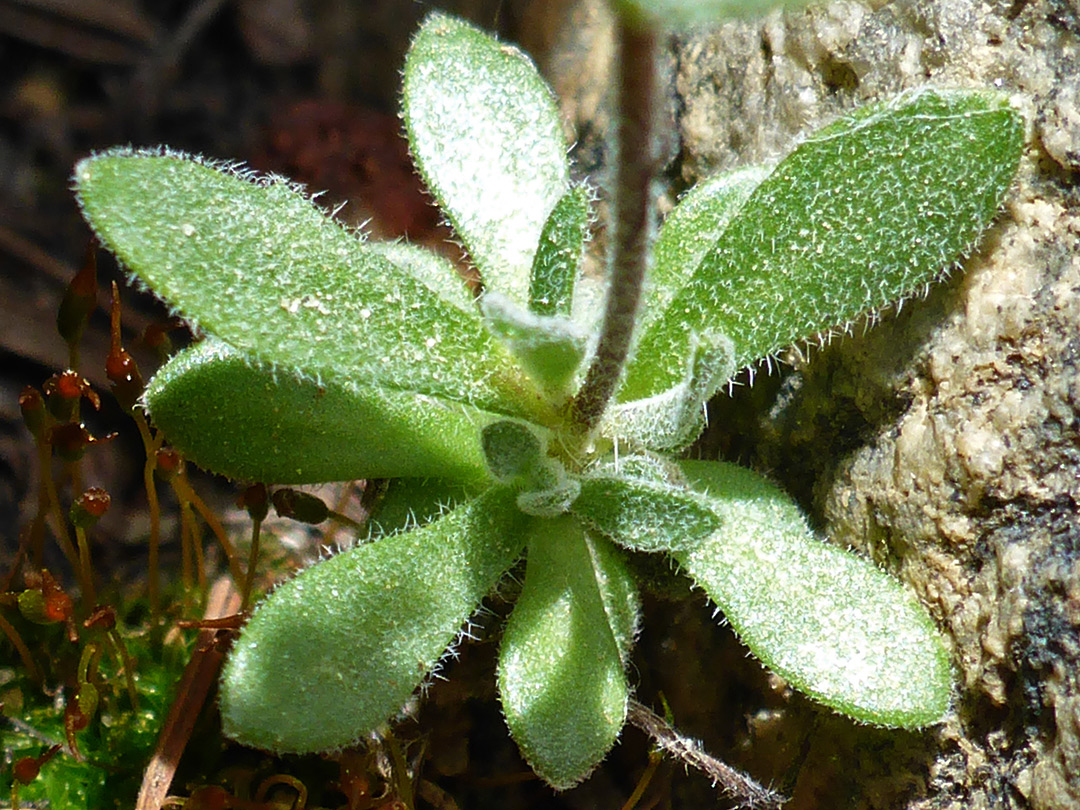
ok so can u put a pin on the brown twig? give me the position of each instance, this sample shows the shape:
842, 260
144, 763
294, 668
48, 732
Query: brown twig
191, 693
738, 786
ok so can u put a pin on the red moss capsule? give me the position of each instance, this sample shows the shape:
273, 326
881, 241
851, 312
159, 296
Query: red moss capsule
156, 337
44, 601
255, 500
89, 507
70, 440
168, 463
33, 410
26, 769
79, 300
63, 392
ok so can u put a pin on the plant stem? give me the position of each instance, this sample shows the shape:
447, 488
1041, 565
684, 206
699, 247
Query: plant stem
85, 569
52, 506
151, 446
253, 560
17, 642
638, 89
738, 786
126, 663
184, 490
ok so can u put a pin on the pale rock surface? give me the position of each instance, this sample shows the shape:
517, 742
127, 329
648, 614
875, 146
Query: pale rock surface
946, 441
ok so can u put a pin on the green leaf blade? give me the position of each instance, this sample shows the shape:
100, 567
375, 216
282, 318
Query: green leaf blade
689, 231
485, 134
332, 654
643, 515
561, 679
549, 348
864, 212
254, 263
435, 272
229, 414
691, 13
827, 621
559, 253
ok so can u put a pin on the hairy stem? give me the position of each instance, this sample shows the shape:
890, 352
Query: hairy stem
738, 786
638, 94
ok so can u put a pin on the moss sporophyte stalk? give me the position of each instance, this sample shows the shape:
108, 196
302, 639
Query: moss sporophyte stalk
330, 357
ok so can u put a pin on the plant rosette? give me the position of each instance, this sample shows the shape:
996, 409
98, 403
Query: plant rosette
329, 357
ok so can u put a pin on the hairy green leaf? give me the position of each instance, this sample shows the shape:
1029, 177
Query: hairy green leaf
484, 131
862, 213
690, 13
549, 347
408, 503
827, 621
228, 413
561, 676
551, 491
334, 652
558, 257
644, 515
513, 451
618, 592
671, 420
433, 271
254, 263
688, 233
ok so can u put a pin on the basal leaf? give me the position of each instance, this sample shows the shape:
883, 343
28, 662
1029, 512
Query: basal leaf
827, 621
408, 503
254, 263
432, 270
618, 592
862, 213
561, 677
334, 652
230, 414
558, 257
643, 515
484, 131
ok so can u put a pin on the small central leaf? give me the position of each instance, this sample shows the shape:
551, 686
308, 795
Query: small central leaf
549, 347
644, 515
512, 450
